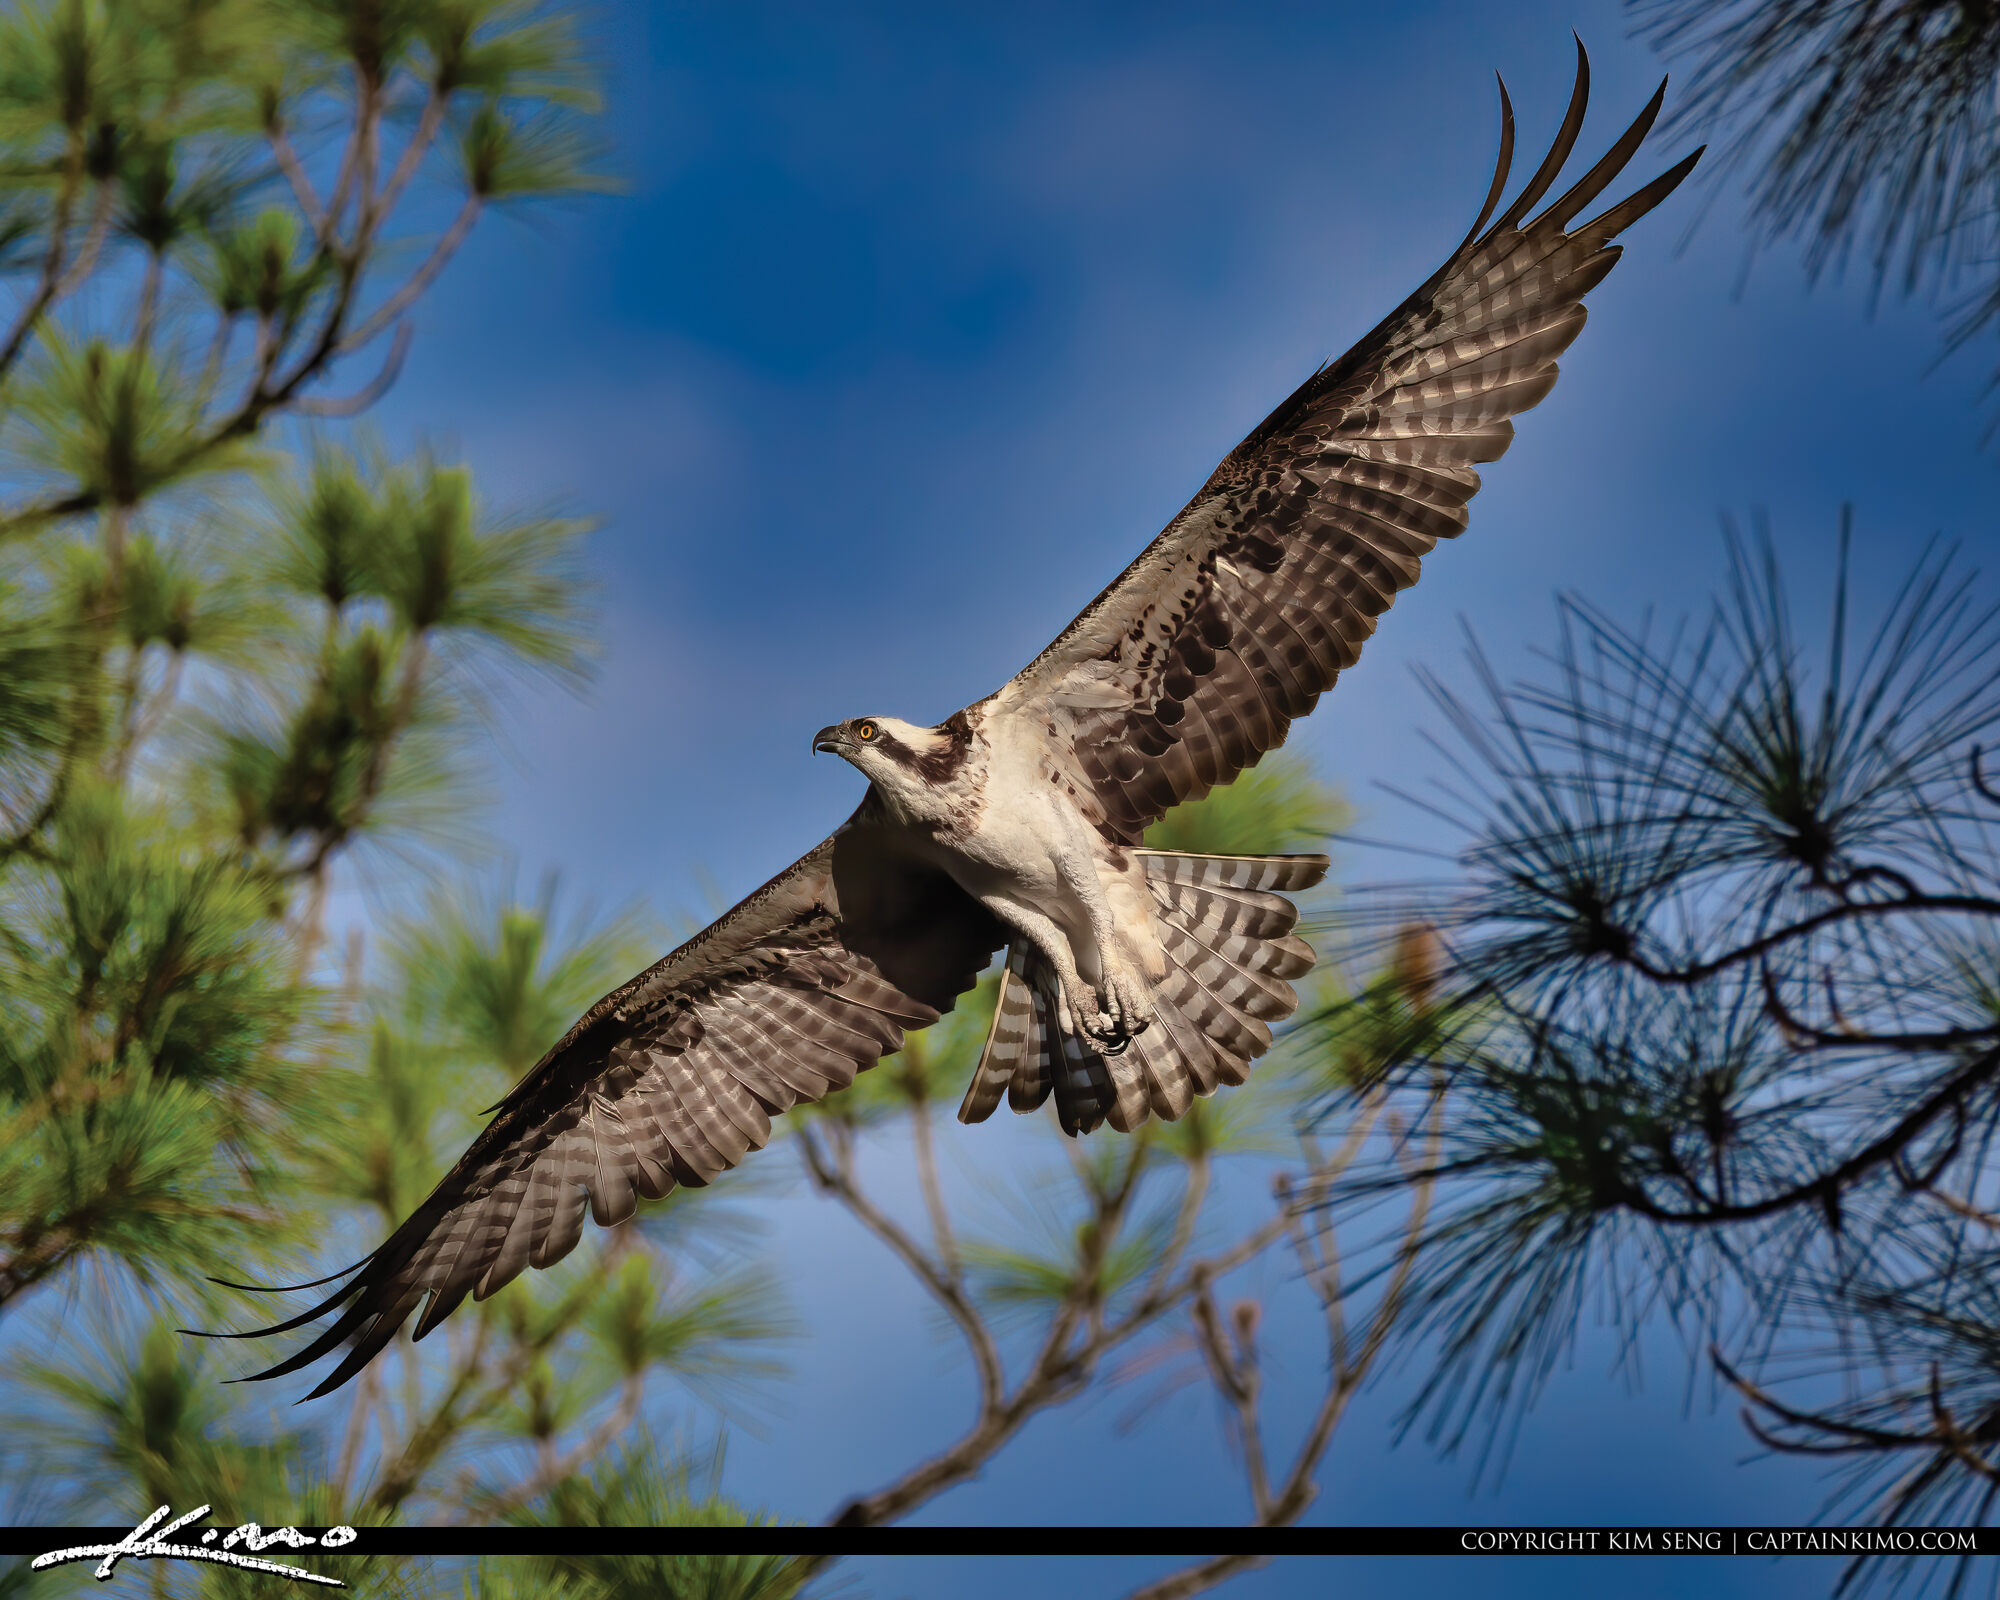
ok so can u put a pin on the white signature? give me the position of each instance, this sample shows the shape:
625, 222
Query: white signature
144, 1543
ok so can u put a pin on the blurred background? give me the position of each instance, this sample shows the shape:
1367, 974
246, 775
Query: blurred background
731, 370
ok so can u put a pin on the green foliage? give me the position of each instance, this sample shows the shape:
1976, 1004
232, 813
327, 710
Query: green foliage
1016, 1279
508, 157
135, 1423
111, 425
260, 265
319, 775
1709, 1020
499, 980
43, 654
1866, 128
643, 1486
411, 593
148, 1013
220, 671
169, 956
706, 1334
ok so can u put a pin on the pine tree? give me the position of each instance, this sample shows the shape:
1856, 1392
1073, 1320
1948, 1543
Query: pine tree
1717, 1031
238, 651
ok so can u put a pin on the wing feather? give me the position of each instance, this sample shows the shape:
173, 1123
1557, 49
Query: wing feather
673, 1078
1248, 607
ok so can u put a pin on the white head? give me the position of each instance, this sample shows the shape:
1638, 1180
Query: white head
902, 759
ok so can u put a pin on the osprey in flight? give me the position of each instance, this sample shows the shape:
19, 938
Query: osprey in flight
1135, 979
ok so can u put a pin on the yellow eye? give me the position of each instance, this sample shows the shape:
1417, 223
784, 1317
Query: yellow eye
865, 731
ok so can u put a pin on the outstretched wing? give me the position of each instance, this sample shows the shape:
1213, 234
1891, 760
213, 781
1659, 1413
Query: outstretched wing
675, 1076
1237, 617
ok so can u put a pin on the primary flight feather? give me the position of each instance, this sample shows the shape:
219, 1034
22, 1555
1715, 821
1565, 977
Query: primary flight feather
1135, 980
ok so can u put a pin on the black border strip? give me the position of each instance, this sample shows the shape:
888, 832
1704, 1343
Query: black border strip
1190, 1542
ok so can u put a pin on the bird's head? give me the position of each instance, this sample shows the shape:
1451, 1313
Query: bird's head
899, 756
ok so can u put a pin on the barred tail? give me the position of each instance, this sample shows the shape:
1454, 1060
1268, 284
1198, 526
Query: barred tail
1016, 1061
1225, 927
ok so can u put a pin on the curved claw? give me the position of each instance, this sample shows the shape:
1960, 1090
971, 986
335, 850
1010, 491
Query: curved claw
1112, 1040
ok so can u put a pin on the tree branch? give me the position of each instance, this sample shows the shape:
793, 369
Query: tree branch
1702, 971
1233, 1371
587, 1449
93, 246
418, 281
295, 174
838, 1180
1827, 1185
1199, 1579
413, 154
1846, 1036
354, 404
52, 259
927, 1179
1062, 1366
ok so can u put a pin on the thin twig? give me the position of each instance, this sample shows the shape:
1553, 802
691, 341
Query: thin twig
1199, 1579
52, 258
354, 404
927, 1179
418, 281
837, 1179
558, 1467
428, 124
295, 174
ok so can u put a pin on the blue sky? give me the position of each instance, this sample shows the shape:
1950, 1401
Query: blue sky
912, 325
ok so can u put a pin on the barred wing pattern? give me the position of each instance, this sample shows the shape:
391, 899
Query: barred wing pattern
674, 1077
1195, 661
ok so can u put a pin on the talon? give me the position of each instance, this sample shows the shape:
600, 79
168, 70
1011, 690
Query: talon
1111, 1038
1081, 1016
1110, 1041
1125, 1003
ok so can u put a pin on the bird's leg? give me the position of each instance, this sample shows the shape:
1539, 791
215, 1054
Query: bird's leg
1077, 1010
1124, 998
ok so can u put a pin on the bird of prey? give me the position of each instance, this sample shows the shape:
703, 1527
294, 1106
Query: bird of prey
1135, 979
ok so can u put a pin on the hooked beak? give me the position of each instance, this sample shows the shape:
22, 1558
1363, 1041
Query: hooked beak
829, 740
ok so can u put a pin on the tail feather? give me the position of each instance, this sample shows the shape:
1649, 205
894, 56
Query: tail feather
1085, 1089
1169, 1074
1035, 1072
1276, 952
1251, 915
1013, 1041
1235, 981
1289, 957
1185, 1064
1238, 1034
1285, 874
1226, 931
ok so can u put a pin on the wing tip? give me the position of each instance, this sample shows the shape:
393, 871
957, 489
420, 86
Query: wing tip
291, 1288
1560, 150
1503, 165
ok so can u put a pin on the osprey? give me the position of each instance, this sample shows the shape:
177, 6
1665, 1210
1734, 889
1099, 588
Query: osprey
1135, 979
